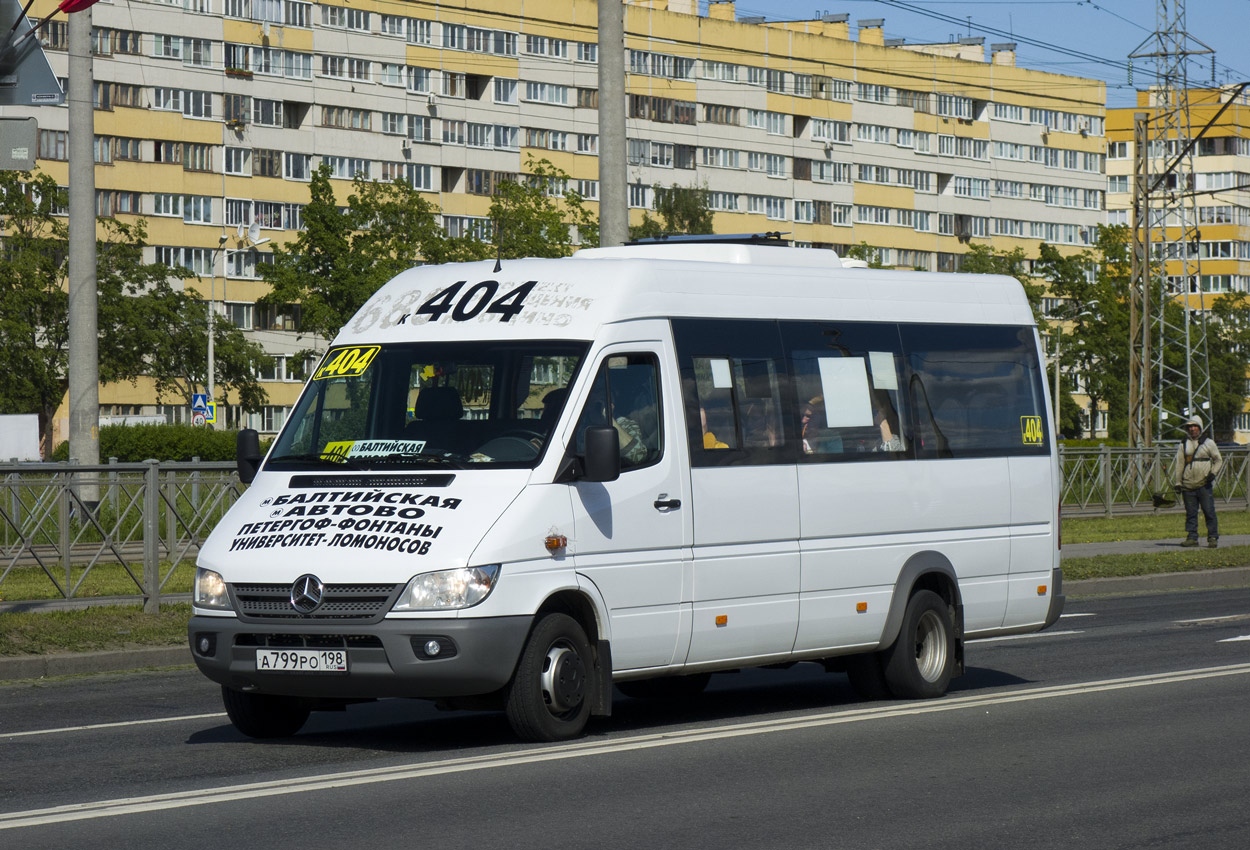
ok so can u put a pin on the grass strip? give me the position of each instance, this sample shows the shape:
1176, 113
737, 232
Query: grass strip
29, 583
92, 629
1185, 560
1146, 527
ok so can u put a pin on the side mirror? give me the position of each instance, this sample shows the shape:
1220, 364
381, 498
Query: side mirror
247, 454
602, 461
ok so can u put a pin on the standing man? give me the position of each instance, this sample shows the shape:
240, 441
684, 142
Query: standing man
1198, 461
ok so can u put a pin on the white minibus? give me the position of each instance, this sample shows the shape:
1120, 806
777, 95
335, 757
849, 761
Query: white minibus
518, 485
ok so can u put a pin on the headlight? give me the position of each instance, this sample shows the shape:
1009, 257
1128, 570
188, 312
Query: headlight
448, 589
210, 589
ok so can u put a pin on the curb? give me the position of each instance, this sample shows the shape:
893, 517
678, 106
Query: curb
75, 663
1198, 579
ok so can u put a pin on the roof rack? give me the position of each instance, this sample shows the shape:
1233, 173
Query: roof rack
772, 237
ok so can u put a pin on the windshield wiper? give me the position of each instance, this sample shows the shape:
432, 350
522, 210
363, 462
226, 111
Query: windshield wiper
320, 459
418, 457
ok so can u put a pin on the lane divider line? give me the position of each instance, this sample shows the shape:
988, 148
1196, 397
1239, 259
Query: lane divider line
582, 749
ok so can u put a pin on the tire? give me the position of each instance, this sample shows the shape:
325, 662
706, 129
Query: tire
668, 687
867, 677
549, 695
264, 715
921, 662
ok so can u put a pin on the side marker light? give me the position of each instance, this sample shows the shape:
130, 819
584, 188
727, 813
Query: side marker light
861, 607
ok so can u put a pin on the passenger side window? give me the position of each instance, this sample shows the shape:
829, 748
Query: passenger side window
733, 385
626, 395
976, 391
850, 404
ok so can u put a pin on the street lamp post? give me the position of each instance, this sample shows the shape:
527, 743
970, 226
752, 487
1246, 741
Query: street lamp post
212, 298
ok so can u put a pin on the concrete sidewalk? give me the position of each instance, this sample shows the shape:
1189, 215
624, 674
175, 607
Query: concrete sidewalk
74, 663
1143, 547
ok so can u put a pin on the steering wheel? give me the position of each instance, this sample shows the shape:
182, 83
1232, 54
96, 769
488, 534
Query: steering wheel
522, 433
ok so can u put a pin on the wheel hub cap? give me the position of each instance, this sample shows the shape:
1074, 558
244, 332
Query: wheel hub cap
564, 679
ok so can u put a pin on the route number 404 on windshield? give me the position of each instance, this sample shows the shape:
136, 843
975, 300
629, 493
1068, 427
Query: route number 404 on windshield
478, 298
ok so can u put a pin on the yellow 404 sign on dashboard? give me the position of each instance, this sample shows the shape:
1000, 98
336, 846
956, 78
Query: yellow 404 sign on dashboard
350, 361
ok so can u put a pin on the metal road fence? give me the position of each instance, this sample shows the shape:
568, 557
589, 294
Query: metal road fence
60, 522
1109, 481
146, 521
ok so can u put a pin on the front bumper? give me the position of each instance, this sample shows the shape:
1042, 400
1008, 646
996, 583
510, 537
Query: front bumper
385, 659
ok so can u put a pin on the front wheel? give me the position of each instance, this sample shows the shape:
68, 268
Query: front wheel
549, 696
264, 715
921, 662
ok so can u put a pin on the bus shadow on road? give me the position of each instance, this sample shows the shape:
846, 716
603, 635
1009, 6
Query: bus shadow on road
417, 726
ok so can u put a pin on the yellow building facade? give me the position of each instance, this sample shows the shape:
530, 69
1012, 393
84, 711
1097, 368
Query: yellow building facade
211, 114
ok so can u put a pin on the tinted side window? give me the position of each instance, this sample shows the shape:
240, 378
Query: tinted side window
849, 398
735, 390
974, 391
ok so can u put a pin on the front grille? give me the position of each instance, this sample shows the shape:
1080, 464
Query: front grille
341, 603
309, 641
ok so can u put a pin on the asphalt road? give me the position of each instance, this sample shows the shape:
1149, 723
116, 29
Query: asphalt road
1125, 725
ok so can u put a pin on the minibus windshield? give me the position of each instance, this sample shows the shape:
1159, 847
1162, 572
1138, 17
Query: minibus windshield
417, 405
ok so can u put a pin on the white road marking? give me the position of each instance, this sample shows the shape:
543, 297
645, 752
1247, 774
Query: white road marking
1030, 636
1233, 640
1227, 618
116, 725
328, 781
1083, 614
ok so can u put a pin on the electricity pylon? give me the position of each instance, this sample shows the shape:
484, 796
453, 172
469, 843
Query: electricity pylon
1169, 347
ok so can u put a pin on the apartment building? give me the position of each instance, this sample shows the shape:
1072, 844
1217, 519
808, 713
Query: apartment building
1221, 193
211, 115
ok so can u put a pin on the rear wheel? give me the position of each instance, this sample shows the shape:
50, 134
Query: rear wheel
668, 687
549, 696
264, 715
921, 662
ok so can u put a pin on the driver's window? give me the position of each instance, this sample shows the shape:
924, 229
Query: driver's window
626, 395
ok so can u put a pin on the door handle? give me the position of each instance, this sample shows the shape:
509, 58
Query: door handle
663, 502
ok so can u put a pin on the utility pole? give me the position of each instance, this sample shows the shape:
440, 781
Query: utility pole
1140, 392
84, 366
613, 202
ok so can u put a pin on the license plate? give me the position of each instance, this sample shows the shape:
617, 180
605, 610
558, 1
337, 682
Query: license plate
301, 660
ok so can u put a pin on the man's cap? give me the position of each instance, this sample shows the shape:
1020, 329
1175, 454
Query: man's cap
1193, 420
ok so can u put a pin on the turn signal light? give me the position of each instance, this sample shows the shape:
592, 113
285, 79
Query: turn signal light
722, 619
1041, 590
556, 542
861, 607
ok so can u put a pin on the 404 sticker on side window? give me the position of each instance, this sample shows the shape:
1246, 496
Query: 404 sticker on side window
348, 362
1031, 430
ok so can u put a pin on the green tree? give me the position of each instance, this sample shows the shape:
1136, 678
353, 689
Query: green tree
1228, 343
682, 209
982, 259
538, 216
868, 253
1092, 319
344, 254
177, 339
34, 305
137, 326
